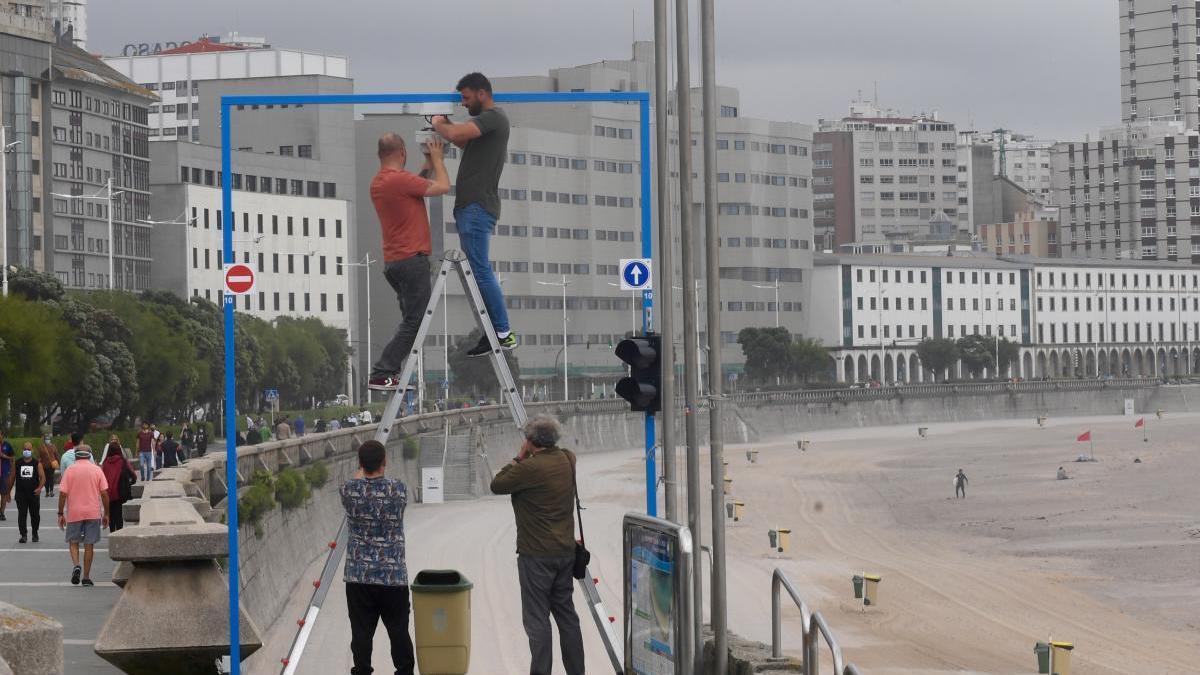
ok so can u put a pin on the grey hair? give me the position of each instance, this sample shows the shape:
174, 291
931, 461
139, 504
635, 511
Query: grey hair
542, 432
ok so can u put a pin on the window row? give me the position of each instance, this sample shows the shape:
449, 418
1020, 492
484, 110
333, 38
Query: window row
264, 184
289, 223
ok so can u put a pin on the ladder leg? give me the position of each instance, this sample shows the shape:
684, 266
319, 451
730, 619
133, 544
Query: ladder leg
499, 364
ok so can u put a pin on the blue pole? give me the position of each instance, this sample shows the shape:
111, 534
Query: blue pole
648, 296
231, 499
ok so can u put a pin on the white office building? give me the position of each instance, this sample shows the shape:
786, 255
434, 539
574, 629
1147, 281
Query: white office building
177, 76
291, 228
1070, 318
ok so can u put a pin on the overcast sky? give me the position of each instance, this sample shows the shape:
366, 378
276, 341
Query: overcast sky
1043, 67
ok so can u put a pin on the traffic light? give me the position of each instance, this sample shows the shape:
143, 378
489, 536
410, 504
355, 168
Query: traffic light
643, 387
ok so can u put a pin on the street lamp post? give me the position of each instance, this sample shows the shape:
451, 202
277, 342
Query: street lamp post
187, 244
880, 292
366, 264
109, 193
564, 283
632, 308
5, 146
776, 289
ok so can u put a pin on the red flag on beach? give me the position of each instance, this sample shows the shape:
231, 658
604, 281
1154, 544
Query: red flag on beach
1085, 436
1140, 423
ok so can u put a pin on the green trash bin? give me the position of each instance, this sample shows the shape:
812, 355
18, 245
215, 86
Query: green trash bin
1043, 656
858, 586
441, 602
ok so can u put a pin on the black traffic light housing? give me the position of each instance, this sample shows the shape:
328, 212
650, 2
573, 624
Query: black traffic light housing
643, 387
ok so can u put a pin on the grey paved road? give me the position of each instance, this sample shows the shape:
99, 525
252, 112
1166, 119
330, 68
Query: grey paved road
38, 577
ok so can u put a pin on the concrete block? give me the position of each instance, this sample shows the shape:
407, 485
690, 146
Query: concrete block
143, 543
121, 573
192, 599
747, 657
175, 473
161, 489
132, 509
168, 512
30, 642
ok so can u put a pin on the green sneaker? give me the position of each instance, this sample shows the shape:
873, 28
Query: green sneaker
510, 342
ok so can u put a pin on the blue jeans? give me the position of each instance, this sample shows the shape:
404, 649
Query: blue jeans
475, 228
144, 465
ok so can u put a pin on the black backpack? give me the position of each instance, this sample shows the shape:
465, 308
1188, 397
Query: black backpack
125, 484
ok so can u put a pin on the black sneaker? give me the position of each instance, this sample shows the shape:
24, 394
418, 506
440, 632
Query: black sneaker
35, 539
21, 540
75, 574
87, 582
484, 347
2, 516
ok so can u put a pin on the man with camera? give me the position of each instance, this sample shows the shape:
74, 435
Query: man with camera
541, 480
399, 198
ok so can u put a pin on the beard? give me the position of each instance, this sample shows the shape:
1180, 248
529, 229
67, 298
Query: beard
474, 110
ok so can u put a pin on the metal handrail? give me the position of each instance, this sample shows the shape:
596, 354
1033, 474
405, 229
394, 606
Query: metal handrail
811, 624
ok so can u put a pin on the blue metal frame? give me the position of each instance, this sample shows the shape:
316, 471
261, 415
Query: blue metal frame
227, 102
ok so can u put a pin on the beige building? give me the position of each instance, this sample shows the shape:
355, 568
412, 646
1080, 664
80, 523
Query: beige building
1033, 232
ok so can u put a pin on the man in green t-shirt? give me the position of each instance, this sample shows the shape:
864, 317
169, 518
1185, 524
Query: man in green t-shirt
484, 143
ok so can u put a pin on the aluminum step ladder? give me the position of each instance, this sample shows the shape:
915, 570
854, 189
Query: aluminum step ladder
457, 261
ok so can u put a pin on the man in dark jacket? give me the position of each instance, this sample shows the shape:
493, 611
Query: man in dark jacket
541, 480
169, 451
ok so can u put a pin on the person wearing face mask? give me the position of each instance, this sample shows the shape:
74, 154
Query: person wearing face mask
49, 460
28, 480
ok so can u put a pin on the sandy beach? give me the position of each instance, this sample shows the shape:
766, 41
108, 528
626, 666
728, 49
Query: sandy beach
1107, 559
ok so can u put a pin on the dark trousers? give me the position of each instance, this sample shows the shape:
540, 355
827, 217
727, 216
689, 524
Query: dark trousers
115, 518
960, 489
368, 604
546, 589
49, 480
410, 279
28, 506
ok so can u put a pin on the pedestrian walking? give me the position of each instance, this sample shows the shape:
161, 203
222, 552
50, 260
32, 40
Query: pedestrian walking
202, 439
28, 481
48, 456
320, 427
541, 480
145, 447
67, 458
169, 451
8, 458
484, 143
334, 424
960, 484
83, 511
399, 199
283, 430
298, 426
376, 574
120, 476
187, 438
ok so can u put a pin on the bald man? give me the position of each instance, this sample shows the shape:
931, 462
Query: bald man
399, 198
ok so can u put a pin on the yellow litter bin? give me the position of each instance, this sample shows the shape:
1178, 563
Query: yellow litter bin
871, 589
442, 622
728, 484
737, 510
1060, 658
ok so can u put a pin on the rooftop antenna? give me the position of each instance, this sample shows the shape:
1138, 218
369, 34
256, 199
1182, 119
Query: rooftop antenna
876, 93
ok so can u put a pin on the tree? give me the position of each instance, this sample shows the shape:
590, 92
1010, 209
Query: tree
477, 374
937, 355
807, 357
39, 361
768, 352
110, 385
978, 353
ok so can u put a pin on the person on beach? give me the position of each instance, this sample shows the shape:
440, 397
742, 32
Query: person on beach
960, 484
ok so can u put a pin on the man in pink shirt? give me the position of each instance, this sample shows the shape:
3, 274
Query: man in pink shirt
83, 510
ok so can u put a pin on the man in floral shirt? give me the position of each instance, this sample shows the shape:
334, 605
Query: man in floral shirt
376, 576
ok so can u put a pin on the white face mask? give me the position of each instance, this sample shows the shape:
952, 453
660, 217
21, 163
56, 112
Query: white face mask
27, 454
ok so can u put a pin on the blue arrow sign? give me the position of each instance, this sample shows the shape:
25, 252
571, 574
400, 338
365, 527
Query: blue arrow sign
635, 274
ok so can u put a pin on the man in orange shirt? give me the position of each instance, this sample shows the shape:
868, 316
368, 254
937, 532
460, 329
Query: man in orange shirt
399, 198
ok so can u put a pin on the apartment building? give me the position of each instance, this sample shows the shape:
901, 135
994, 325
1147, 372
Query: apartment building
903, 172
1159, 61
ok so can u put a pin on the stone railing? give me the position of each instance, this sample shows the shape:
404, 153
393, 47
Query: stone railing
30, 642
276, 455
172, 615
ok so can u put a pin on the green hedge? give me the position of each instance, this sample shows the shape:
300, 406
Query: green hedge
289, 489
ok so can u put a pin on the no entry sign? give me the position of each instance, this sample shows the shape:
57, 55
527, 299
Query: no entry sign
239, 279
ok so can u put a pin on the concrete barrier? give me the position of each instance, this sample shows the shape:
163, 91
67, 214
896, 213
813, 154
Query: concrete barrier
172, 615
30, 643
